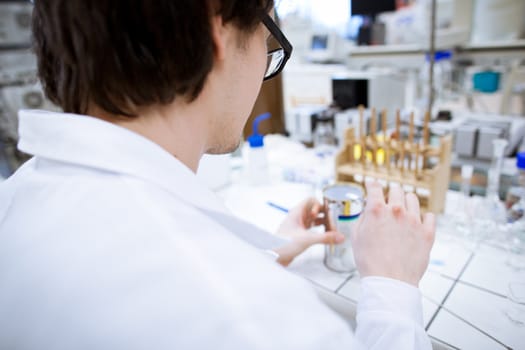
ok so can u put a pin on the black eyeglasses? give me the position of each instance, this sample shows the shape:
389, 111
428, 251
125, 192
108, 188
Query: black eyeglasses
277, 58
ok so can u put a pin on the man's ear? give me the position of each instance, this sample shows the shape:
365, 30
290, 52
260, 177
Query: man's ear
220, 37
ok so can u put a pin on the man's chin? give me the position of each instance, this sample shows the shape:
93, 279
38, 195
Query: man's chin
224, 149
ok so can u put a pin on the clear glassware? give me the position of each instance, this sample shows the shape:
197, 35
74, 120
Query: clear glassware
516, 244
515, 199
494, 172
463, 213
492, 213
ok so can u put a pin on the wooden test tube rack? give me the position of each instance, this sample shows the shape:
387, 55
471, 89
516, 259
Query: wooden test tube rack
429, 184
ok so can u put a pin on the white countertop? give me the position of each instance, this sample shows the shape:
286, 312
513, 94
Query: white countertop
464, 289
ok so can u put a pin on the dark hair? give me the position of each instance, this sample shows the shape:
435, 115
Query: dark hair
124, 54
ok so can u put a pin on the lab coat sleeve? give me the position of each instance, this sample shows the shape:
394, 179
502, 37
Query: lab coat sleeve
390, 316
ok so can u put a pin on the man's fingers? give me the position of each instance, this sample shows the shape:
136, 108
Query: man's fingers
316, 208
330, 237
374, 194
413, 205
308, 207
429, 223
396, 197
320, 220
333, 237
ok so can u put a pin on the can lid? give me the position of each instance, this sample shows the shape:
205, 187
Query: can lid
520, 161
344, 192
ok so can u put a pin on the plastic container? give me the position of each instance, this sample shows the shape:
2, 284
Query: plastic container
442, 76
257, 163
487, 81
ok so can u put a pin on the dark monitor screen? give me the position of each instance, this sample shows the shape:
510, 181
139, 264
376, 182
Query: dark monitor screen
372, 7
319, 42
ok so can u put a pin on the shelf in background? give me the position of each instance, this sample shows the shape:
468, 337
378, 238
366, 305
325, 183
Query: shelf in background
415, 48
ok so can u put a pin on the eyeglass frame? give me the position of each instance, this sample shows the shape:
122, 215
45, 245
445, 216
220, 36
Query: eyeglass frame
287, 48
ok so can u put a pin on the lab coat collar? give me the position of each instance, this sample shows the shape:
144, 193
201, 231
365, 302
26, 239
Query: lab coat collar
91, 142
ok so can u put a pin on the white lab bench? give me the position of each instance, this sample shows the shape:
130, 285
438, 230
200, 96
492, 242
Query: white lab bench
464, 289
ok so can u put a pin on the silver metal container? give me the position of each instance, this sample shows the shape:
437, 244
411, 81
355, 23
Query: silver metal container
343, 204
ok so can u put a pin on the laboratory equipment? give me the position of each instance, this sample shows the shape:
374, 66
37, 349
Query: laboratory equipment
516, 217
516, 244
15, 23
491, 213
515, 199
465, 140
442, 77
494, 172
343, 204
474, 138
371, 32
299, 122
257, 161
324, 148
487, 137
326, 46
324, 129
486, 81
348, 92
463, 215
414, 163
374, 88
497, 20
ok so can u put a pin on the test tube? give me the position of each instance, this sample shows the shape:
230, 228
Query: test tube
373, 125
386, 151
416, 161
361, 121
383, 124
398, 125
426, 137
411, 129
426, 131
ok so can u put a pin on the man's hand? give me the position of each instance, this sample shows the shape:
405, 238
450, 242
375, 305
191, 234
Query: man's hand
296, 227
389, 239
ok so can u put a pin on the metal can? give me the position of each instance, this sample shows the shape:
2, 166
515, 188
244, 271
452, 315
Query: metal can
343, 204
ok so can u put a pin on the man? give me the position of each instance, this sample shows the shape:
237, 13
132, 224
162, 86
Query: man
108, 240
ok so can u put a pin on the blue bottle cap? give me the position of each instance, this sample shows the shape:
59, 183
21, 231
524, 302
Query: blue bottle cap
255, 139
440, 55
520, 161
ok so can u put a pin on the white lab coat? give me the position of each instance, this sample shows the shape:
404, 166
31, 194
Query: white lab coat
109, 242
